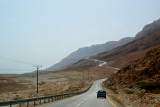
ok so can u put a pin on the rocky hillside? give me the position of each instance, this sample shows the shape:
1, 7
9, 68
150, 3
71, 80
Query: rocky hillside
124, 50
86, 52
145, 40
148, 29
143, 73
122, 55
84, 63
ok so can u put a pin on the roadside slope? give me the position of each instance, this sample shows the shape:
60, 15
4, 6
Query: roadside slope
144, 69
138, 83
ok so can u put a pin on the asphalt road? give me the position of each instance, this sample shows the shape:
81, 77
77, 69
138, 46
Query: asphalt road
88, 99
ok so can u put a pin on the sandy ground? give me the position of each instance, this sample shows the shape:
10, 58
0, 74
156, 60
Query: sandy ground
23, 86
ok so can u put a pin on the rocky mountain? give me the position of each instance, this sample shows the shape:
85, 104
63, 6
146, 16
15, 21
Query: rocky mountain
148, 29
84, 63
129, 52
143, 73
124, 50
86, 52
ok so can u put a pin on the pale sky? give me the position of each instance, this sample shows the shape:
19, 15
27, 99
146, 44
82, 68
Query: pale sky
46, 31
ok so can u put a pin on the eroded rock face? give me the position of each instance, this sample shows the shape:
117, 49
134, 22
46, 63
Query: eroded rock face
144, 69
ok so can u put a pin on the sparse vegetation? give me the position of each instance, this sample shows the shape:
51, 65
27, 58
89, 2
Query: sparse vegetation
129, 92
112, 88
149, 85
139, 80
51, 83
157, 105
140, 95
17, 97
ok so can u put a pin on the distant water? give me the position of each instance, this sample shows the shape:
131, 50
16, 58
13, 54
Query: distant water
14, 71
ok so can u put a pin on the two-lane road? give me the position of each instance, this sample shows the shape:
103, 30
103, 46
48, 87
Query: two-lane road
88, 99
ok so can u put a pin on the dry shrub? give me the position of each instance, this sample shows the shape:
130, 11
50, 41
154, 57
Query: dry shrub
157, 105
17, 97
147, 101
156, 91
140, 95
117, 100
113, 89
149, 85
129, 92
45, 94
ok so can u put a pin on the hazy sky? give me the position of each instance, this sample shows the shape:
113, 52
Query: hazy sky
45, 31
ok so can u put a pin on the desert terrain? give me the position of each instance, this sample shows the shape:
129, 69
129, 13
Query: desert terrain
23, 86
138, 83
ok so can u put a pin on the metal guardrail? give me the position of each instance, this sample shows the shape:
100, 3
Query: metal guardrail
39, 101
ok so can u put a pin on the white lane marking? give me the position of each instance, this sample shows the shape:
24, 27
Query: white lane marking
95, 89
86, 99
81, 102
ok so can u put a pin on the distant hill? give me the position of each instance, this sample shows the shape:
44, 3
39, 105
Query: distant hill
117, 53
145, 40
86, 52
84, 63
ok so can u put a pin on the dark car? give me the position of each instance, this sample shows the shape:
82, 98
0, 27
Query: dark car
101, 93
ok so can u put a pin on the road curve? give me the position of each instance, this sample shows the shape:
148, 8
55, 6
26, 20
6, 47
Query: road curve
102, 63
88, 99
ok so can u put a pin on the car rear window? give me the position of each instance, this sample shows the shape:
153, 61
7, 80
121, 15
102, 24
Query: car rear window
101, 91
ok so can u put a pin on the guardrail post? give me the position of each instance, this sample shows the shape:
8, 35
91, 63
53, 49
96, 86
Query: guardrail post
40, 102
28, 104
49, 100
34, 103
20, 104
41, 99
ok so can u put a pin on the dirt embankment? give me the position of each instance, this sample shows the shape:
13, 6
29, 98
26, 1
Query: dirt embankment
138, 83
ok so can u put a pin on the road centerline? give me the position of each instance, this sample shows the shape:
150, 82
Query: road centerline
81, 102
